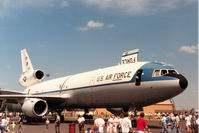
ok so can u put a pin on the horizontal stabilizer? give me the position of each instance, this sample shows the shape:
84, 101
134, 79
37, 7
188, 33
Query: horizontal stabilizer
130, 57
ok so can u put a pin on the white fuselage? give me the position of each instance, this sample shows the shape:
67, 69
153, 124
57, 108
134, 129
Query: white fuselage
108, 87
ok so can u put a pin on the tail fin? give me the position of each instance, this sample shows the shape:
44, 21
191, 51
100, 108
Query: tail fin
26, 62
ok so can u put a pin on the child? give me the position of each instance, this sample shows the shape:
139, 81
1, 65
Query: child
47, 122
13, 126
88, 130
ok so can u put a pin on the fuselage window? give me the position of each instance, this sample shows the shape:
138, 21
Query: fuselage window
138, 78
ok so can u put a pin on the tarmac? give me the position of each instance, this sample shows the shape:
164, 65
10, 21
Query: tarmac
154, 125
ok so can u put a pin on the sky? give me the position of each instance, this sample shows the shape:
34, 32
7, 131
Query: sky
65, 37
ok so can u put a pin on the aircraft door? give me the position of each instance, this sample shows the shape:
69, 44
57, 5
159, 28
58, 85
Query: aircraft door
138, 77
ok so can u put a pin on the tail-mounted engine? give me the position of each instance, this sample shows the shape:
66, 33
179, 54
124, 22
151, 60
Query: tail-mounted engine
34, 107
31, 77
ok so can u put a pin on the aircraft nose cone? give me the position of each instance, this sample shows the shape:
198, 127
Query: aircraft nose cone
183, 82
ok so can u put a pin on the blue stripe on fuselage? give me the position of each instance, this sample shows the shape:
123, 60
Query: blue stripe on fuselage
147, 76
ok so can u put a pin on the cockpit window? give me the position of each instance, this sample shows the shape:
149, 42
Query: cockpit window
172, 72
161, 72
156, 73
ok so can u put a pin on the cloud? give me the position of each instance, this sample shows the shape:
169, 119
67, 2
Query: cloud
64, 4
110, 26
138, 7
94, 25
82, 28
9, 7
189, 49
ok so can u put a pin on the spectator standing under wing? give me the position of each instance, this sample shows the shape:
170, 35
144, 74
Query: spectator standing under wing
81, 121
176, 127
99, 125
141, 124
57, 123
126, 124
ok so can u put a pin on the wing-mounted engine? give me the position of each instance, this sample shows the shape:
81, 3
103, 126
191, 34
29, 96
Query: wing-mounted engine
31, 77
34, 107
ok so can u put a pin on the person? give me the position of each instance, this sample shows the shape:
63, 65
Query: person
13, 126
47, 122
8, 122
141, 124
99, 125
197, 123
20, 123
168, 122
176, 127
116, 123
88, 130
81, 121
164, 124
110, 125
188, 123
3, 124
126, 124
57, 123
120, 119
193, 123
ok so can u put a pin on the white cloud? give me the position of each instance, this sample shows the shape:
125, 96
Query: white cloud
138, 7
189, 49
64, 4
9, 7
82, 28
93, 24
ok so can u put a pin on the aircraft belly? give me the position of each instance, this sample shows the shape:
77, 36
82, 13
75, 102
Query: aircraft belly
123, 95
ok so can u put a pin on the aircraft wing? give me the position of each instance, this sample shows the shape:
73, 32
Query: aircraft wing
16, 95
10, 92
45, 97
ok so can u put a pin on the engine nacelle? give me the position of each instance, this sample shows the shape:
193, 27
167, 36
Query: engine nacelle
32, 77
34, 107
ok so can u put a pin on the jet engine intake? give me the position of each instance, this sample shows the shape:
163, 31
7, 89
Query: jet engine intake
34, 107
32, 77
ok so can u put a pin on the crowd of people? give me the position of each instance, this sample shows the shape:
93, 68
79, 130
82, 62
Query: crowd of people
122, 124
115, 124
170, 121
8, 125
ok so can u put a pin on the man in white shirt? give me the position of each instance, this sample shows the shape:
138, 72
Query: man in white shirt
116, 122
176, 121
126, 124
81, 121
4, 124
100, 124
164, 124
188, 123
110, 125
